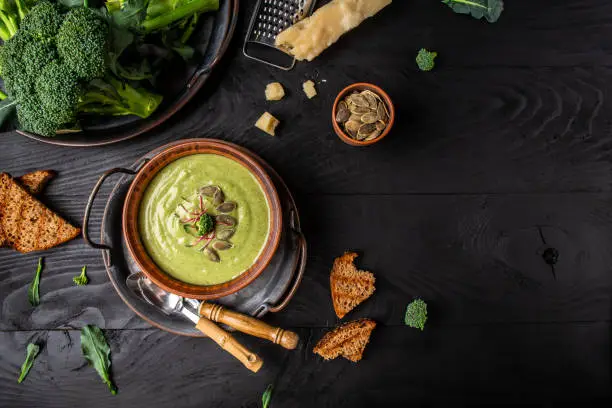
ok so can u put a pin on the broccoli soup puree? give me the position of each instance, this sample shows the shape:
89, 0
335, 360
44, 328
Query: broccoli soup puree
204, 219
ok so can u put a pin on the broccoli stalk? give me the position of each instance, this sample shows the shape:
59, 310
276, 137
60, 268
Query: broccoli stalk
82, 279
11, 14
114, 97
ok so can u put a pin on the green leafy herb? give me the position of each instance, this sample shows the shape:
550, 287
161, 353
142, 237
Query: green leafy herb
82, 279
425, 59
97, 353
489, 9
267, 396
31, 353
205, 224
33, 295
416, 314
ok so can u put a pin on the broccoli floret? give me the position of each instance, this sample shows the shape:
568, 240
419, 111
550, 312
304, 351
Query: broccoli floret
36, 55
113, 97
205, 224
81, 279
42, 22
416, 314
32, 119
58, 91
82, 43
14, 69
425, 59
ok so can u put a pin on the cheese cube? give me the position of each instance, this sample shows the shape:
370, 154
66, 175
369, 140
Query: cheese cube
274, 92
267, 123
309, 89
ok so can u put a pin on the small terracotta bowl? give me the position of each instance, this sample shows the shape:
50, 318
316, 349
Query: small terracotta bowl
362, 86
131, 211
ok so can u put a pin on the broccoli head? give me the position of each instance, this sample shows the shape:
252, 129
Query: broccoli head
82, 43
425, 59
42, 22
205, 224
416, 314
58, 91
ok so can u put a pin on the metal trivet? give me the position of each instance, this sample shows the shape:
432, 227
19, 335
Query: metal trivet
270, 18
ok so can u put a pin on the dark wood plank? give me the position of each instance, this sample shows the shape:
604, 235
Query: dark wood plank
477, 258
443, 365
527, 130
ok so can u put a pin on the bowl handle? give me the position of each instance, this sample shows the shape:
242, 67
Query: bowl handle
92, 197
299, 266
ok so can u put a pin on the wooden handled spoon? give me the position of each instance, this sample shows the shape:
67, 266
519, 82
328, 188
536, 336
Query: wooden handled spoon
170, 303
249, 325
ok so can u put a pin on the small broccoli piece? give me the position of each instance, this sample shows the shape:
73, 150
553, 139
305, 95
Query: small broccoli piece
82, 43
416, 314
82, 279
425, 59
32, 119
58, 91
42, 22
113, 97
205, 224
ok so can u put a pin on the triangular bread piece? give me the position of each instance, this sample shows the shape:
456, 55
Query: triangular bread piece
34, 183
27, 224
349, 285
348, 340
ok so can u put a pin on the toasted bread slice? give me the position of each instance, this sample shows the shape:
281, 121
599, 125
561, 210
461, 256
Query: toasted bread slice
35, 182
27, 224
349, 285
348, 340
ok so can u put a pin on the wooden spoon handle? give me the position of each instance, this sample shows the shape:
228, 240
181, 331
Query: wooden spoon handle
230, 344
249, 325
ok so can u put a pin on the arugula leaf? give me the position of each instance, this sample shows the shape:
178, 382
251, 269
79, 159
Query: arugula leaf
81, 279
8, 107
33, 295
97, 353
31, 353
489, 9
267, 396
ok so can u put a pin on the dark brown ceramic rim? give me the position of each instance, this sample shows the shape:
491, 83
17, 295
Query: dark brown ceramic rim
193, 86
131, 210
362, 86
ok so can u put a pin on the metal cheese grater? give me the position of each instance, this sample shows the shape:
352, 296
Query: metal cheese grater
270, 18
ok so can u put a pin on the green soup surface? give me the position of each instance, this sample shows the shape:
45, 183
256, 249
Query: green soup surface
171, 204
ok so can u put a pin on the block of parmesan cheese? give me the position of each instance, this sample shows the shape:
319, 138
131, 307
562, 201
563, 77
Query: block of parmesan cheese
267, 123
308, 38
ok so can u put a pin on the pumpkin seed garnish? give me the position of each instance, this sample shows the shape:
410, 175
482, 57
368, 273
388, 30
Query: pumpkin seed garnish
364, 115
219, 197
212, 254
221, 245
209, 191
227, 207
226, 220
225, 234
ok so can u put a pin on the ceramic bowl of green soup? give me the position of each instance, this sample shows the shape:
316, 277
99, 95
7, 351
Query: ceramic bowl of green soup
202, 219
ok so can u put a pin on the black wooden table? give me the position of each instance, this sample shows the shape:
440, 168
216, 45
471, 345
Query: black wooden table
503, 151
